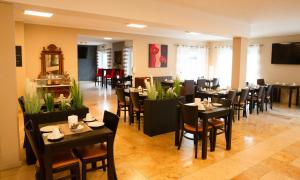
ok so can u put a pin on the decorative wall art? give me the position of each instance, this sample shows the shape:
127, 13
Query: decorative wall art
158, 55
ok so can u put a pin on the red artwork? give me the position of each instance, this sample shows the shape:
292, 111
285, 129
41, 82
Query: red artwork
158, 55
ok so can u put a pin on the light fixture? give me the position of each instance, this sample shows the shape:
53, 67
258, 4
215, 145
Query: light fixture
38, 13
140, 26
107, 38
191, 33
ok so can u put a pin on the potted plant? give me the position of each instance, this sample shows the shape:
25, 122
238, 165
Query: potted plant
160, 108
33, 110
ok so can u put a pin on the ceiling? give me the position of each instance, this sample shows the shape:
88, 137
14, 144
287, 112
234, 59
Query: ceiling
213, 19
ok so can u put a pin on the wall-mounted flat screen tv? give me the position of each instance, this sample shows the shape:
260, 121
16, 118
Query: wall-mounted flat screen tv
82, 52
286, 53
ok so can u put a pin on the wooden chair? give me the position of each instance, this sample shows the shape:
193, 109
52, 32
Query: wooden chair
241, 103
261, 82
201, 83
62, 161
189, 91
215, 83
218, 124
258, 99
137, 107
123, 104
268, 97
97, 152
190, 123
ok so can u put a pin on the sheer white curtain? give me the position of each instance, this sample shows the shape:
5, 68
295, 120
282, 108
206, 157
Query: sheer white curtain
223, 65
102, 59
253, 64
192, 62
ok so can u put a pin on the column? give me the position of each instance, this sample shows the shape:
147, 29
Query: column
9, 133
239, 62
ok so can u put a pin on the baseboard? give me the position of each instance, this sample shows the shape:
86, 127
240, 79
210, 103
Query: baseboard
9, 165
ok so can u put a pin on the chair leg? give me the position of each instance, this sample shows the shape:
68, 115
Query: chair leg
180, 139
124, 113
239, 114
103, 165
196, 145
75, 173
138, 117
94, 165
118, 110
83, 175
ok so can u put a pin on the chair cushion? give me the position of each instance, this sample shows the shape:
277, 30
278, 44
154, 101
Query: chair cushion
193, 129
62, 159
92, 151
137, 110
217, 122
122, 104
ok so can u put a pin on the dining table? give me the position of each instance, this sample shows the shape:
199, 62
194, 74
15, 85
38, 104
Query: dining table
205, 115
291, 88
96, 135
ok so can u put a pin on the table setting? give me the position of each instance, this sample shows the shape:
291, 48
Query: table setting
205, 105
58, 131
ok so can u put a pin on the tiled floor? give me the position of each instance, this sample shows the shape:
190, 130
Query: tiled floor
264, 146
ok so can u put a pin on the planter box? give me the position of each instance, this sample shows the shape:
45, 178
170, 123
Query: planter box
49, 117
160, 116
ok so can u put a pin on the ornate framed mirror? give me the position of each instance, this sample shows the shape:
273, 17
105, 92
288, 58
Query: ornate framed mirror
52, 61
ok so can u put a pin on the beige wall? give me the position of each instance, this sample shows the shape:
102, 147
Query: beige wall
9, 136
273, 73
21, 74
38, 36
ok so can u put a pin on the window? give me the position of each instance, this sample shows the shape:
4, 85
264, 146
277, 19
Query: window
253, 64
192, 62
103, 58
223, 65
127, 60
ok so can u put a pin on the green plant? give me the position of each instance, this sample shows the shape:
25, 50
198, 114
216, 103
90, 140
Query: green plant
64, 105
177, 87
160, 91
151, 89
170, 94
49, 102
76, 95
31, 98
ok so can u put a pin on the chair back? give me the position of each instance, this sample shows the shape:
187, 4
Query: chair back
111, 121
189, 115
120, 94
100, 72
22, 103
244, 95
231, 97
215, 83
35, 140
121, 73
260, 91
261, 82
201, 83
134, 96
189, 87
269, 91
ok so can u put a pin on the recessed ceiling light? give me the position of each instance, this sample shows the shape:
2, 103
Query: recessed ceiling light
191, 33
107, 38
38, 13
140, 26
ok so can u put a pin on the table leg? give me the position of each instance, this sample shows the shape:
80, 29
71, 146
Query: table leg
111, 171
47, 172
279, 94
229, 130
204, 138
177, 127
290, 97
